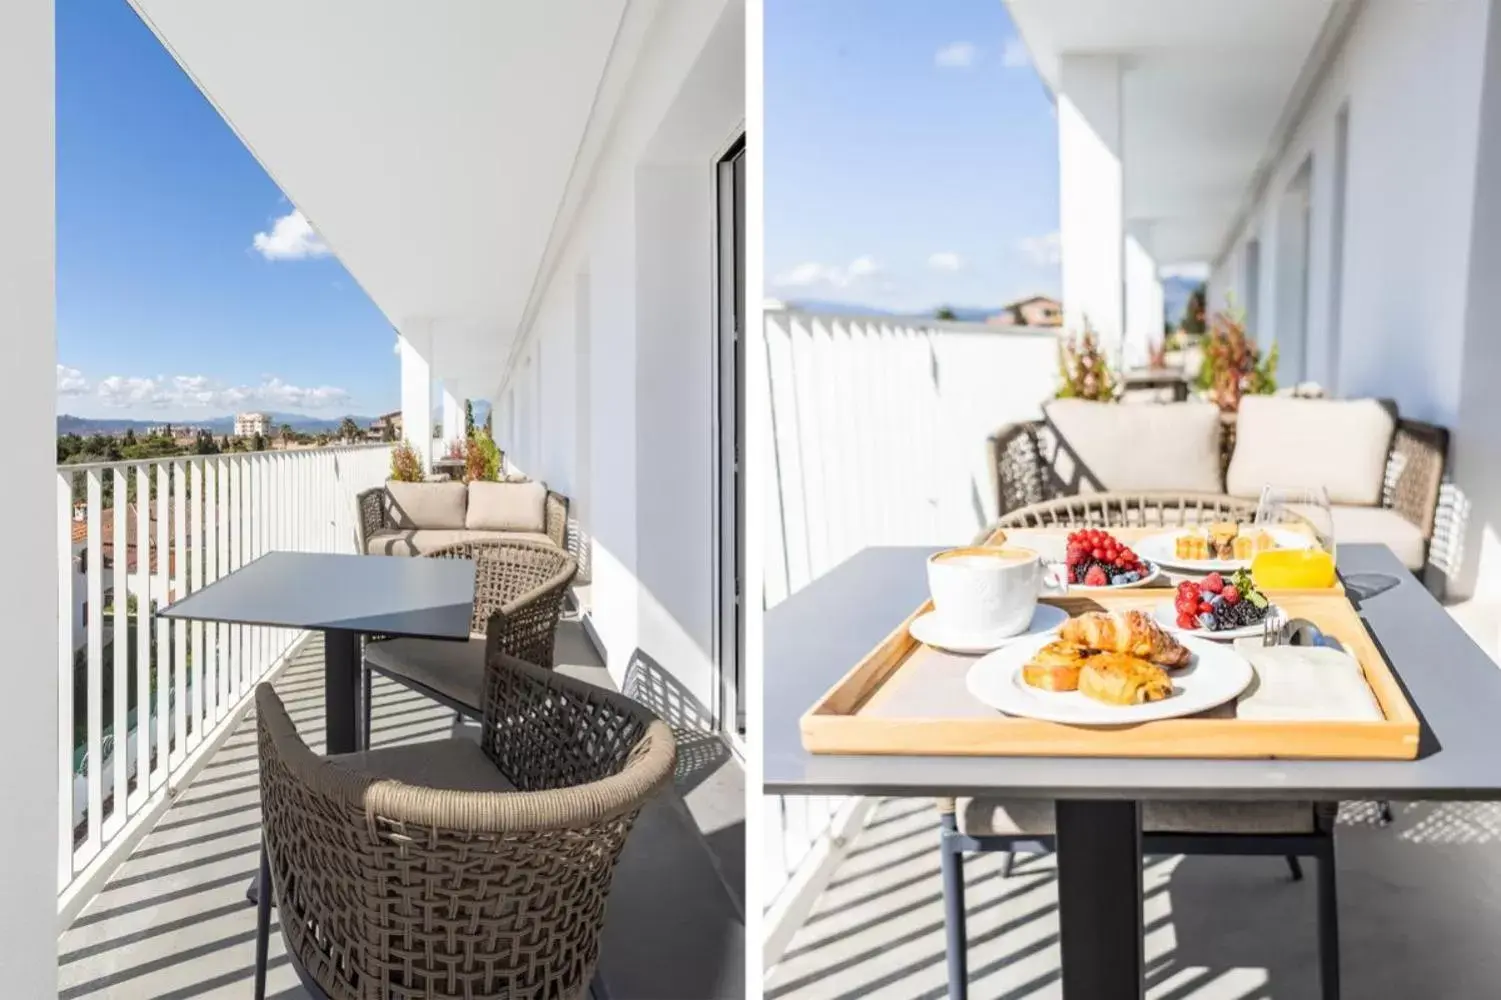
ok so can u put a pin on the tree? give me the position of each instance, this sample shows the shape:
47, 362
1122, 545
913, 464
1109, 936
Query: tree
204, 444
468, 418
1193, 312
258, 443
130, 435
348, 429
489, 422
286, 435
945, 313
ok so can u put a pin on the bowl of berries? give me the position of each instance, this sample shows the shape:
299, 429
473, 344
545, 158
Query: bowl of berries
1217, 607
1098, 561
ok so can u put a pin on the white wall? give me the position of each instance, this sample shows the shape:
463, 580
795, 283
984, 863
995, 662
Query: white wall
1421, 247
29, 595
625, 332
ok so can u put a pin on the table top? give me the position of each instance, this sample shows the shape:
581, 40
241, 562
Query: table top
389, 595
817, 634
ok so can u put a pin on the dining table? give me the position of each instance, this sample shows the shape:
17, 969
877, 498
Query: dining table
814, 636
346, 598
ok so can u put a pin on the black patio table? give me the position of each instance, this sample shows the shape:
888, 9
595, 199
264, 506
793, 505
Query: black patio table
344, 597
817, 634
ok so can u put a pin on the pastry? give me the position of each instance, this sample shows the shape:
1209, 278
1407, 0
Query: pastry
1132, 632
1222, 535
1119, 679
1055, 667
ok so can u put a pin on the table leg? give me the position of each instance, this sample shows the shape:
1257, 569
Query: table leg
1100, 899
341, 675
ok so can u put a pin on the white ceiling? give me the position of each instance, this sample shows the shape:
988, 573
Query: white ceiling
430, 144
1204, 87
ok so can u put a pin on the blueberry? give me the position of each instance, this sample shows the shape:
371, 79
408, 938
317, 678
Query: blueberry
1119, 579
1133, 576
1216, 600
1206, 620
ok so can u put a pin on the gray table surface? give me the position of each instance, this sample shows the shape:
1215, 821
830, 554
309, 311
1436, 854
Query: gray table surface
817, 634
387, 595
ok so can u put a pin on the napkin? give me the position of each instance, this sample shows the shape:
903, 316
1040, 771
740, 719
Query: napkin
1305, 682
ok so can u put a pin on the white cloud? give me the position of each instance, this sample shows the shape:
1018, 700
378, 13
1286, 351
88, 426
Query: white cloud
202, 392
1191, 272
1015, 55
70, 382
945, 261
291, 238
811, 274
958, 55
1042, 250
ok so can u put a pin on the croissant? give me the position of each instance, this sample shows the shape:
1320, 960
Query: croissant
1132, 632
1055, 667
1119, 679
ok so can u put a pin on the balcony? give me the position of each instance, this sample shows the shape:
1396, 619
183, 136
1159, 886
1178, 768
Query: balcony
159, 842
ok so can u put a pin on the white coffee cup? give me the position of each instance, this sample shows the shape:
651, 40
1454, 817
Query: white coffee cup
988, 590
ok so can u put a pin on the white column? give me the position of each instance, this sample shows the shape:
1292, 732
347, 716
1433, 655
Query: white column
453, 414
416, 397
1143, 304
29, 596
1090, 205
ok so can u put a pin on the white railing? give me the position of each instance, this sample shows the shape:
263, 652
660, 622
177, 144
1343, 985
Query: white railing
879, 427
175, 688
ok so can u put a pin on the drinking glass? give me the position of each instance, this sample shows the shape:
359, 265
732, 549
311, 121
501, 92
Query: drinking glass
1307, 513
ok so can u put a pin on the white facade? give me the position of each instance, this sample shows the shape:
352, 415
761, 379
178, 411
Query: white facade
251, 424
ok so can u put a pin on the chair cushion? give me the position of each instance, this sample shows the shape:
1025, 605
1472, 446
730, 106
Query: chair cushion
986, 817
1152, 447
427, 505
455, 670
452, 765
1339, 444
420, 543
1382, 526
507, 507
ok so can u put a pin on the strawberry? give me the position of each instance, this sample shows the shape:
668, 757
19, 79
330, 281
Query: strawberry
1187, 619
1096, 577
1230, 594
1205, 606
1214, 583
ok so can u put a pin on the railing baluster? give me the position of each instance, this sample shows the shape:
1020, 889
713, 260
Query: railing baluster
179, 591
161, 593
94, 702
195, 584
143, 636
213, 704
120, 652
66, 610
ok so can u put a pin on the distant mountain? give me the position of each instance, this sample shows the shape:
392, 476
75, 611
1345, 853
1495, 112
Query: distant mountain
967, 314
300, 422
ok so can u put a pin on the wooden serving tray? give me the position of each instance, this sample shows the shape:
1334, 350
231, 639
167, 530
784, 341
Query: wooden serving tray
907, 698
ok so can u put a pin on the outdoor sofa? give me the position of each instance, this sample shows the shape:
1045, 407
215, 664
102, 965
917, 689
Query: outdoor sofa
417, 519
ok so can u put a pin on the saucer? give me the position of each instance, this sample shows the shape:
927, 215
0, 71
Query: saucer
929, 628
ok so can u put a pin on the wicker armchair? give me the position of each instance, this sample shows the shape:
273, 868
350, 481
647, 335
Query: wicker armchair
1024, 463
373, 515
454, 869
518, 598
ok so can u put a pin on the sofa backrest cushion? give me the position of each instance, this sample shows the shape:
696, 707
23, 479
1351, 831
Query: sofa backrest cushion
1156, 447
507, 507
426, 505
1339, 444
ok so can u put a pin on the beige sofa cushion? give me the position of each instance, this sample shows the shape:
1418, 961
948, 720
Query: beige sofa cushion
982, 817
1381, 526
1339, 444
417, 506
420, 543
1152, 447
507, 507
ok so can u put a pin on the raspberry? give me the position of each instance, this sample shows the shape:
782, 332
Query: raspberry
1213, 583
1098, 553
1096, 577
1230, 594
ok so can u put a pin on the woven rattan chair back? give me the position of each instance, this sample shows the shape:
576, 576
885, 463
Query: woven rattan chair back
518, 594
388, 890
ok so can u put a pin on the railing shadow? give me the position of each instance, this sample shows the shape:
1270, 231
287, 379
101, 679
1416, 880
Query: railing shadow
701, 751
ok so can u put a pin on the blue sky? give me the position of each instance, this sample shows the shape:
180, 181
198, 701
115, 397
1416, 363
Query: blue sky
911, 155
167, 304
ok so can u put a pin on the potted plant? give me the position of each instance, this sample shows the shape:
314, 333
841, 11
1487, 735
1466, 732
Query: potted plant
406, 464
1083, 370
1233, 365
481, 458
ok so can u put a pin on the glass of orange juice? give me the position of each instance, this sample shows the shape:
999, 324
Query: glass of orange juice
1295, 511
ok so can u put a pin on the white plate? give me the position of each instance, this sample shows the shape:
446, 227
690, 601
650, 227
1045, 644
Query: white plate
1216, 674
1167, 617
1159, 548
929, 628
1153, 571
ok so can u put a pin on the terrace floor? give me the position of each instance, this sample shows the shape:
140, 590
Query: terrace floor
1419, 902
173, 922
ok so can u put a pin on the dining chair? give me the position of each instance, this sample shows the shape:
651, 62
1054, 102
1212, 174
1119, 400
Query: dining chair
519, 588
1291, 829
456, 868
